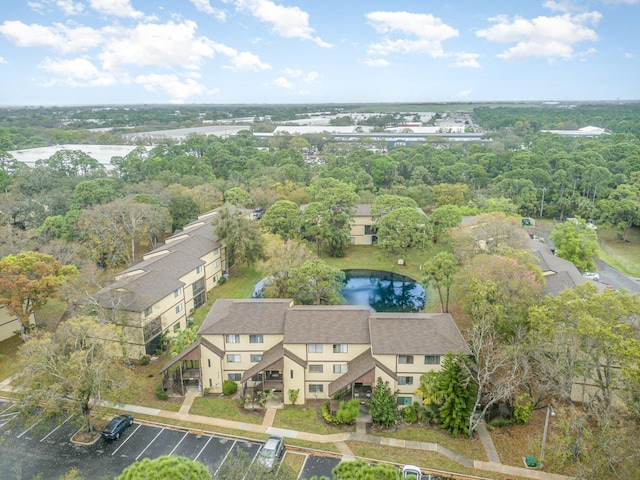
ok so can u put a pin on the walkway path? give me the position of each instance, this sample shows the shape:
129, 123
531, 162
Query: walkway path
338, 439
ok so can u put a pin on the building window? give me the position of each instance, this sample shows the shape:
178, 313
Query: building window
177, 292
216, 251
199, 269
216, 263
209, 362
178, 308
352, 240
233, 358
232, 338
405, 401
316, 388
314, 348
176, 327
234, 376
199, 293
405, 380
257, 377
256, 357
405, 359
340, 348
210, 383
341, 368
256, 339
315, 369
148, 311
369, 230
432, 359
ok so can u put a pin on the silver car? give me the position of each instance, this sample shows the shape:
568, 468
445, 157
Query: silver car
272, 452
591, 275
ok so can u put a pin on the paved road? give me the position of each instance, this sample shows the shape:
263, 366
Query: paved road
617, 280
46, 450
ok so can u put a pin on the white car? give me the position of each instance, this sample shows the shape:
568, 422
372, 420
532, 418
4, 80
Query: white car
412, 472
591, 275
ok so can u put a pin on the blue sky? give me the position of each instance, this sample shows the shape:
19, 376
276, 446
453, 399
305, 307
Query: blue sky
88, 52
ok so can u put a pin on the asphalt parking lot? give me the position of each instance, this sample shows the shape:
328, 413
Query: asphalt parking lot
45, 449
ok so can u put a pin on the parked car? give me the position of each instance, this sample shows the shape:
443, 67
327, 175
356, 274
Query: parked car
412, 472
271, 452
116, 426
591, 275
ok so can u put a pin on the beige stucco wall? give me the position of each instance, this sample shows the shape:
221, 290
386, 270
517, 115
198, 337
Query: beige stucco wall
358, 228
295, 383
9, 324
211, 366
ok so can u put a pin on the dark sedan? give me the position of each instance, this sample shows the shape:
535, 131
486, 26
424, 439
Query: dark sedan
116, 426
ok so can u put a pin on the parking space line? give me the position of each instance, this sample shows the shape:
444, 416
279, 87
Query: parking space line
51, 432
225, 457
306, 457
202, 449
7, 409
20, 436
178, 444
125, 440
145, 448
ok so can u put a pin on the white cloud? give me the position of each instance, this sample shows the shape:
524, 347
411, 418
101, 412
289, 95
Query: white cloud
204, 6
178, 90
311, 76
417, 32
2, 60
288, 22
57, 36
36, 7
168, 44
469, 60
549, 37
245, 62
464, 93
116, 8
283, 83
77, 72
628, 2
629, 55
69, 7
377, 62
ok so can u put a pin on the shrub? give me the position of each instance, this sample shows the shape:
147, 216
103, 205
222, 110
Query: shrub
523, 408
409, 414
229, 387
222, 280
293, 395
161, 394
348, 412
500, 422
145, 359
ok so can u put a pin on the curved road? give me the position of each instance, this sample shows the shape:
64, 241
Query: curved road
617, 280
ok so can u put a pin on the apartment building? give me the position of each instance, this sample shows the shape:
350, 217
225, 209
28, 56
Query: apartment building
272, 344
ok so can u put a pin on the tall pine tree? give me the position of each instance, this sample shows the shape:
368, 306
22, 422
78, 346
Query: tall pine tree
457, 390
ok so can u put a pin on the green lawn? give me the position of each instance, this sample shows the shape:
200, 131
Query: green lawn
624, 256
305, 418
225, 407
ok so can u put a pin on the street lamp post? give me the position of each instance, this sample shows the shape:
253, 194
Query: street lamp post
551, 412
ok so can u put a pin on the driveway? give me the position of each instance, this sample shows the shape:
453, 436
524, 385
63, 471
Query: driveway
617, 280
45, 449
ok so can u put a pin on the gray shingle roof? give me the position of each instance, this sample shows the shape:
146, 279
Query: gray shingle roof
415, 334
245, 316
327, 324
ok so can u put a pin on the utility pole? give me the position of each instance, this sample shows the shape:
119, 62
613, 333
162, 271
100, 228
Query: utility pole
544, 434
542, 203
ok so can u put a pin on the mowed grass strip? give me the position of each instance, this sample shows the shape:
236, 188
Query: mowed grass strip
226, 408
305, 418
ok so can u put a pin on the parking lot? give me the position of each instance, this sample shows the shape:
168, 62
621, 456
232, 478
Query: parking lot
45, 449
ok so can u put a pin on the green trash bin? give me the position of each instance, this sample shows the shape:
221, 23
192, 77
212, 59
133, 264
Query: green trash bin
530, 461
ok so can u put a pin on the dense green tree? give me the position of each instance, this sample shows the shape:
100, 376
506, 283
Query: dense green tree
383, 406
457, 391
444, 218
94, 192
316, 283
282, 258
359, 469
577, 242
622, 208
385, 203
182, 209
165, 467
283, 218
403, 228
240, 236
238, 197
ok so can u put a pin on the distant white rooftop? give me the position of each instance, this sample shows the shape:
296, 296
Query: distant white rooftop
302, 129
181, 133
581, 132
102, 153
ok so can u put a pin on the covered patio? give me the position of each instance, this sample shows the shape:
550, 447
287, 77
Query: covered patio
183, 372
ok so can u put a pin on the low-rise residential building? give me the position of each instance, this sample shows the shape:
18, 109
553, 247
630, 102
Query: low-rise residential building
10, 325
319, 350
159, 293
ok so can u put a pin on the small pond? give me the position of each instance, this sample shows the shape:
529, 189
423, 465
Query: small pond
378, 290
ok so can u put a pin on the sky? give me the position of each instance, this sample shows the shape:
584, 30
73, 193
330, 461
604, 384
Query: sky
97, 52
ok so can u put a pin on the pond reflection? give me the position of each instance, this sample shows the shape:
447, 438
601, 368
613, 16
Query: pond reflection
383, 291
